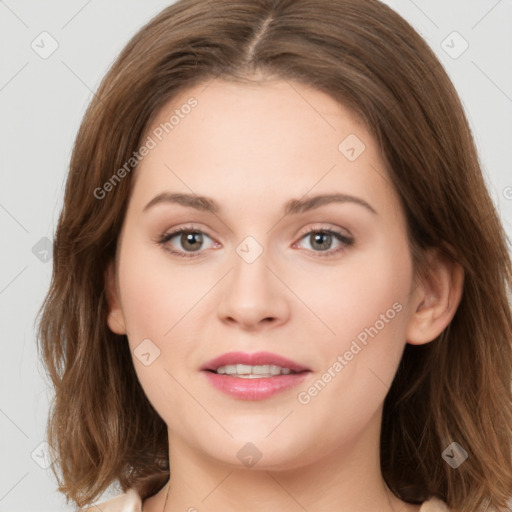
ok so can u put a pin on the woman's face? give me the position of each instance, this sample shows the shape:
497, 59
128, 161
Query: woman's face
300, 251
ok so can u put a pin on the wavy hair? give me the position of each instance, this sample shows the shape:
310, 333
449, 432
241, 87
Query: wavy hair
368, 58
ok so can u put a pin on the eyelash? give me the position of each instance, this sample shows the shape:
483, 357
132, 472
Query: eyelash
166, 237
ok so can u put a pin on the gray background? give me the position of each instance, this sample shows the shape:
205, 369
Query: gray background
42, 101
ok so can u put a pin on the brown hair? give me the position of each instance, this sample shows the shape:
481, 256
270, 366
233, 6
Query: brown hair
363, 54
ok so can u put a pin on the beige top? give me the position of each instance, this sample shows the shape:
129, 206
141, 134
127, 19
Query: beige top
130, 502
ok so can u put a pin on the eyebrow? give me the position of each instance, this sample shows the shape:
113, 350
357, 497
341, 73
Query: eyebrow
291, 207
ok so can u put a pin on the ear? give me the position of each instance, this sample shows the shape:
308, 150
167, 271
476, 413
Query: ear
435, 299
115, 317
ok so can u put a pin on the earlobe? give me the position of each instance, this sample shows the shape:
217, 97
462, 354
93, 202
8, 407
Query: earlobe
436, 299
115, 317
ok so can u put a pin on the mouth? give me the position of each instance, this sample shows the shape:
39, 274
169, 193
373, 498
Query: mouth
245, 371
253, 376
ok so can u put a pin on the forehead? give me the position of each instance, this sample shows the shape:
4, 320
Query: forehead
273, 140
255, 116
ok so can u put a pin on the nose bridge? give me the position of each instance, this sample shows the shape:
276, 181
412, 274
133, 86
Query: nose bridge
252, 293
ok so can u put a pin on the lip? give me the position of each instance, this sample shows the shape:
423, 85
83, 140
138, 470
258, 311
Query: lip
254, 359
253, 389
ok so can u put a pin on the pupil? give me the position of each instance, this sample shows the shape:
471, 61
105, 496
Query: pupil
326, 237
190, 240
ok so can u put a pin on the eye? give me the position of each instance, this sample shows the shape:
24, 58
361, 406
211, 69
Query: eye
321, 240
191, 241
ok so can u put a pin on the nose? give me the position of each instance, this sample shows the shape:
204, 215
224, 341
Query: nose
253, 297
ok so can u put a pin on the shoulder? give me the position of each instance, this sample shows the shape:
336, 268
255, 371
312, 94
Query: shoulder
434, 505
127, 502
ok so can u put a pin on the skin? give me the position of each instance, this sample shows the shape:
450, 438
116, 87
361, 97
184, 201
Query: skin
251, 148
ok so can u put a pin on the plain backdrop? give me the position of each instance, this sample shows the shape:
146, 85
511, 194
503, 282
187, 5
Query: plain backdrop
42, 100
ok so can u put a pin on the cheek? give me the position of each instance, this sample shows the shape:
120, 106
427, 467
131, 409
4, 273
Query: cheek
353, 295
366, 308
364, 302
156, 293
158, 304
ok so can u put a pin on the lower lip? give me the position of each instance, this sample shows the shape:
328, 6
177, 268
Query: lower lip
254, 389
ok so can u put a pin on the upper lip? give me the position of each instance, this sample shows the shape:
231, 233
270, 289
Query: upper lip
256, 358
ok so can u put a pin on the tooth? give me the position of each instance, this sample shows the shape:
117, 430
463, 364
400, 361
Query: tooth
248, 371
261, 369
243, 369
275, 370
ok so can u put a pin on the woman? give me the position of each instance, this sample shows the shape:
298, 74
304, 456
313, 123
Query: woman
279, 280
